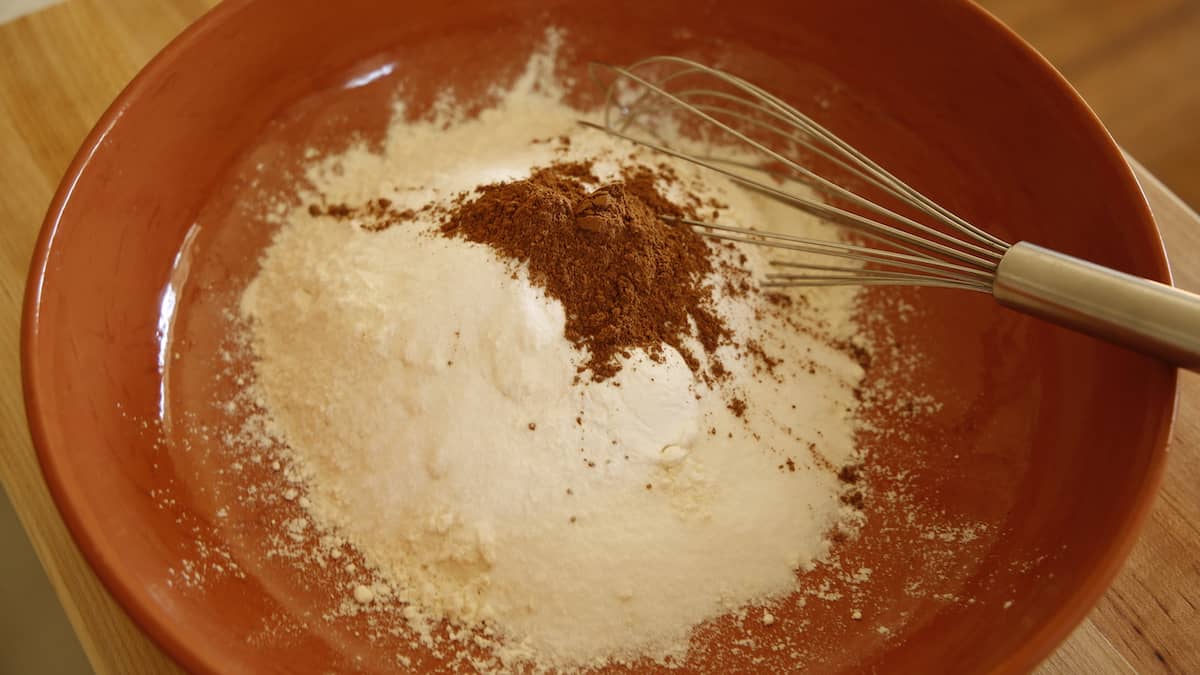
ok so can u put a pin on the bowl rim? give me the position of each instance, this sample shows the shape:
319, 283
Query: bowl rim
175, 642
106, 565
1071, 613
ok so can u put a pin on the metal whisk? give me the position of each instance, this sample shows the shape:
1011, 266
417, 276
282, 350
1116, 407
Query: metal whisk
938, 249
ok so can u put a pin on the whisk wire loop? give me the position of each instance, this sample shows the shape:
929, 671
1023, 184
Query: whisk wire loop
934, 247
820, 209
837, 250
805, 132
766, 115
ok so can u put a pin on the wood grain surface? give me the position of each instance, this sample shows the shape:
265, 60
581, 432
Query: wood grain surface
60, 68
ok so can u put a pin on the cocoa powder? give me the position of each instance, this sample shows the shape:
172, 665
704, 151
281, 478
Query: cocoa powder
375, 215
628, 276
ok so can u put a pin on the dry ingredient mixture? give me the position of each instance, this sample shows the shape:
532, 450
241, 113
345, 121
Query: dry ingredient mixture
627, 278
537, 408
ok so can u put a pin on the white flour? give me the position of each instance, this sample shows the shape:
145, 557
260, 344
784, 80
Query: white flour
429, 403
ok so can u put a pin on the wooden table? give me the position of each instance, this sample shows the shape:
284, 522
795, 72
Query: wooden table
61, 67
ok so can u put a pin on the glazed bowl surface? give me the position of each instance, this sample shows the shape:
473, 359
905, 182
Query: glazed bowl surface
1052, 442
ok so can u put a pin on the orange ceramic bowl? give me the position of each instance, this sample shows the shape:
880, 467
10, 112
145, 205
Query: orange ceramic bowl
1052, 442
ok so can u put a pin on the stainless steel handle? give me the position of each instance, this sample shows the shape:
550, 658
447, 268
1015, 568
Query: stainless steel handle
1152, 318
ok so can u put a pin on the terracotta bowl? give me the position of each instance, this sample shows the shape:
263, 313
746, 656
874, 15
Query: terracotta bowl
1049, 445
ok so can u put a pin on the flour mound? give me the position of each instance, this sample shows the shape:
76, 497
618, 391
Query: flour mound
427, 391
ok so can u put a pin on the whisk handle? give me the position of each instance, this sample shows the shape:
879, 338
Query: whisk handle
1153, 318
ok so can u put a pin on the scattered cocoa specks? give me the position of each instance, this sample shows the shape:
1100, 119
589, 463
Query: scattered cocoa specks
781, 300
849, 474
820, 459
860, 355
755, 349
375, 215
533, 426
737, 406
719, 372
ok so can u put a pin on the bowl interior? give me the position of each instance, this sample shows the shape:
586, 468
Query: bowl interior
1047, 443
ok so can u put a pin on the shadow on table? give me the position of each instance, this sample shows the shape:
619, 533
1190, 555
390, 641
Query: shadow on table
35, 636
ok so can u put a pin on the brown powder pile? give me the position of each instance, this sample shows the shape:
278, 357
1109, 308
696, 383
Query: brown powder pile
627, 277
